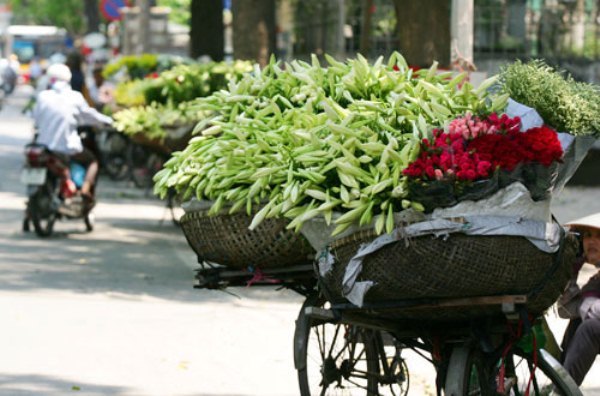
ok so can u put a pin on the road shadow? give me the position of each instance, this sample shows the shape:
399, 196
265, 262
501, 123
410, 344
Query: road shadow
34, 384
135, 258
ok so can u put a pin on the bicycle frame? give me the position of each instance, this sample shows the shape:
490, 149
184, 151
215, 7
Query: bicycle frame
457, 347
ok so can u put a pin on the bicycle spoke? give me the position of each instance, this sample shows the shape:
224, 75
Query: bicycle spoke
337, 330
358, 385
320, 340
534, 379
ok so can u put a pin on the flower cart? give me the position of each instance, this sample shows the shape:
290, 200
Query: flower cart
424, 200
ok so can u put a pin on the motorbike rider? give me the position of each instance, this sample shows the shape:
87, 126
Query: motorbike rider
58, 111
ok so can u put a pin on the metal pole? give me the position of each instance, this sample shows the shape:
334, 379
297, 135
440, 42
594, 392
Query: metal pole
144, 27
461, 31
341, 48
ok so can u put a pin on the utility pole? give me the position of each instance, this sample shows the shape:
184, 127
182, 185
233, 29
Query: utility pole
144, 26
5, 37
461, 33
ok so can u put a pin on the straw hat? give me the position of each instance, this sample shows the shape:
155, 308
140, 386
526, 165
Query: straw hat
591, 221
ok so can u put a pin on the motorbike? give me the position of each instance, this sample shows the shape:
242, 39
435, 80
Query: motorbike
50, 196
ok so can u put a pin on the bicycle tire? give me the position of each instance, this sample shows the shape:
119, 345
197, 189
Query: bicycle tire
335, 374
468, 373
394, 377
115, 156
549, 377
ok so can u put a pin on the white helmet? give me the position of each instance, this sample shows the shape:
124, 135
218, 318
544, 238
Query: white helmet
59, 72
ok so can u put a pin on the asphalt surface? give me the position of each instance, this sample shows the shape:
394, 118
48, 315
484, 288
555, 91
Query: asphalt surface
113, 312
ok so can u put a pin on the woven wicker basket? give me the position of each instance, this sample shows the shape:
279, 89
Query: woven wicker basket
225, 239
176, 139
427, 267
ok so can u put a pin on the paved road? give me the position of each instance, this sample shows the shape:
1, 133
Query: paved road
113, 312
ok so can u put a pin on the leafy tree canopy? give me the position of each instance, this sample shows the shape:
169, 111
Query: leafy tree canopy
67, 14
180, 10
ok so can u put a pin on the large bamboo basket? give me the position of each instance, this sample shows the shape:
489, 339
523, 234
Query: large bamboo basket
458, 266
225, 239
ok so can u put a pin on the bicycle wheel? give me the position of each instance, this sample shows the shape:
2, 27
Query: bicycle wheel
469, 373
393, 379
334, 359
144, 164
549, 378
114, 157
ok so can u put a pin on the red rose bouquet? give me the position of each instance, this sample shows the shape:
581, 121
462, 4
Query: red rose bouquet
475, 156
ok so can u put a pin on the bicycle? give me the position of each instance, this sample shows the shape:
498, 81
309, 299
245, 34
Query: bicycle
471, 357
466, 303
356, 358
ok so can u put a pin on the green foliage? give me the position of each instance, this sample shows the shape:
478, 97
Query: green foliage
137, 66
130, 93
304, 140
140, 66
180, 10
154, 104
563, 103
186, 82
62, 13
154, 120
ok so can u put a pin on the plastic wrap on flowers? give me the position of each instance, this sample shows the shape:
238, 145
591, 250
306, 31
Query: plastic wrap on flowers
540, 180
575, 148
443, 194
476, 190
433, 194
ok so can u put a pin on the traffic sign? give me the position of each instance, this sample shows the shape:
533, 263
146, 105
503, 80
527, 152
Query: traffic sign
111, 9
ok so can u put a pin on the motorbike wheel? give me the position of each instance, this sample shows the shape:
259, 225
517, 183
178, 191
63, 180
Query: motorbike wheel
89, 221
42, 214
26, 227
43, 226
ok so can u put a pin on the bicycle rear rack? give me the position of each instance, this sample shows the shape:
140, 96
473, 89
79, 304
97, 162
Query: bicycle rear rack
299, 278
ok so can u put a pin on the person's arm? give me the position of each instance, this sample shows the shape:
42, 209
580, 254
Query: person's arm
90, 116
590, 307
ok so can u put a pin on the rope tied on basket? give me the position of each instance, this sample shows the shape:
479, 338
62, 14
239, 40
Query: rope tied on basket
523, 328
514, 336
259, 276
557, 260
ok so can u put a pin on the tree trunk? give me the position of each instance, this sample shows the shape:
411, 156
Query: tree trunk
365, 37
92, 15
578, 27
206, 34
423, 29
253, 29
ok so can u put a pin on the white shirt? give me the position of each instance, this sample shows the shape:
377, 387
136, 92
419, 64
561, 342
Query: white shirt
58, 112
